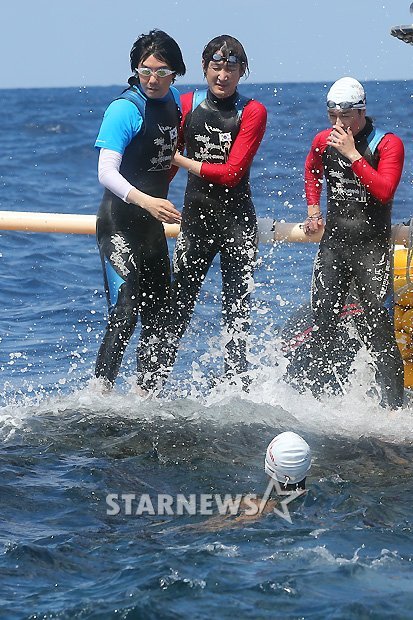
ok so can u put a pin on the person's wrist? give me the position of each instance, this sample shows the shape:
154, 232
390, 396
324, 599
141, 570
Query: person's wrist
143, 201
313, 210
355, 156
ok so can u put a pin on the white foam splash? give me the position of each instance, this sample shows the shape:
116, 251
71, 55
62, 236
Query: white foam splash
270, 401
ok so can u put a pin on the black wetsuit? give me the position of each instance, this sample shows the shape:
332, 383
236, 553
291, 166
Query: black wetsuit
133, 247
354, 250
215, 219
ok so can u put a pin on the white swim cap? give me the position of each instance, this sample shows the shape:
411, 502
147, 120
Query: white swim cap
288, 458
349, 91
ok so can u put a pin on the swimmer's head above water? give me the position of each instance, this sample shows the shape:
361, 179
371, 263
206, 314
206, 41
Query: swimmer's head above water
288, 460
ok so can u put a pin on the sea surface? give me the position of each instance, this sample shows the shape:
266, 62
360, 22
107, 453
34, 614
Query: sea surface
347, 551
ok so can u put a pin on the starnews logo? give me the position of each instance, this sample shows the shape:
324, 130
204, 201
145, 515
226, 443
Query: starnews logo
207, 504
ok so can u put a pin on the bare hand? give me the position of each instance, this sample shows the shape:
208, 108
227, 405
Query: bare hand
188, 164
177, 160
313, 224
343, 140
162, 210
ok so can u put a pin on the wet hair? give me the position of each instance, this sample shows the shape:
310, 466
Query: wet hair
160, 45
229, 46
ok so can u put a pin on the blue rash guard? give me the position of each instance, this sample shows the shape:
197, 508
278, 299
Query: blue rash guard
132, 242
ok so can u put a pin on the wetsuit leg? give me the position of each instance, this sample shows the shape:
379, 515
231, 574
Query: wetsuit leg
192, 259
121, 274
238, 252
372, 280
330, 286
154, 304
136, 268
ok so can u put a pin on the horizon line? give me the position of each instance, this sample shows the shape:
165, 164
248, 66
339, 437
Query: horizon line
201, 84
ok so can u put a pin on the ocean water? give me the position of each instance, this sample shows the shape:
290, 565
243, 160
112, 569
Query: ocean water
347, 550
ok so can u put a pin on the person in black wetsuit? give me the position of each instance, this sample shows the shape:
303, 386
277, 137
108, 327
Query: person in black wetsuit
137, 141
221, 131
362, 166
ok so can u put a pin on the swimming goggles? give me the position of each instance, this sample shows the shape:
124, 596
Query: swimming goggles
230, 59
346, 105
160, 73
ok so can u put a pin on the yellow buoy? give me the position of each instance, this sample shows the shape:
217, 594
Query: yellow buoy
407, 321
403, 292
404, 342
400, 262
403, 312
398, 317
408, 374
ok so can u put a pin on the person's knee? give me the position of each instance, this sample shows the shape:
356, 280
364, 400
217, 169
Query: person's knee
123, 319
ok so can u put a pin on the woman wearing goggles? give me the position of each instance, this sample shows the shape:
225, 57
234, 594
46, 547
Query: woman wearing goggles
137, 140
221, 131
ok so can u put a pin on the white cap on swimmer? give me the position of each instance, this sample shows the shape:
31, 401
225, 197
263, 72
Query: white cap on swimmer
347, 91
288, 458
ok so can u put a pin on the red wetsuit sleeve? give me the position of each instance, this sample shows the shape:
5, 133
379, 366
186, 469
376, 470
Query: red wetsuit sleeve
186, 106
252, 128
313, 169
382, 183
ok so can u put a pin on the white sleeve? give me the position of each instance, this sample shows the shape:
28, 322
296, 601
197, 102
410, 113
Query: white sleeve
109, 175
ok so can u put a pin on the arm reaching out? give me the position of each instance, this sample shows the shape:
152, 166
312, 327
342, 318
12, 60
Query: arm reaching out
110, 177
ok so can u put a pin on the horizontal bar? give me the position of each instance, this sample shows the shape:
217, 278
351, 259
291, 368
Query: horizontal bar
72, 223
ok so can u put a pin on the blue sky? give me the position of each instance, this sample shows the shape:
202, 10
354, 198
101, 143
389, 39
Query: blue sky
48, 43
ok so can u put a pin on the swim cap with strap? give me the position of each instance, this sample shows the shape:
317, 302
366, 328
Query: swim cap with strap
288, 458
349, 90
